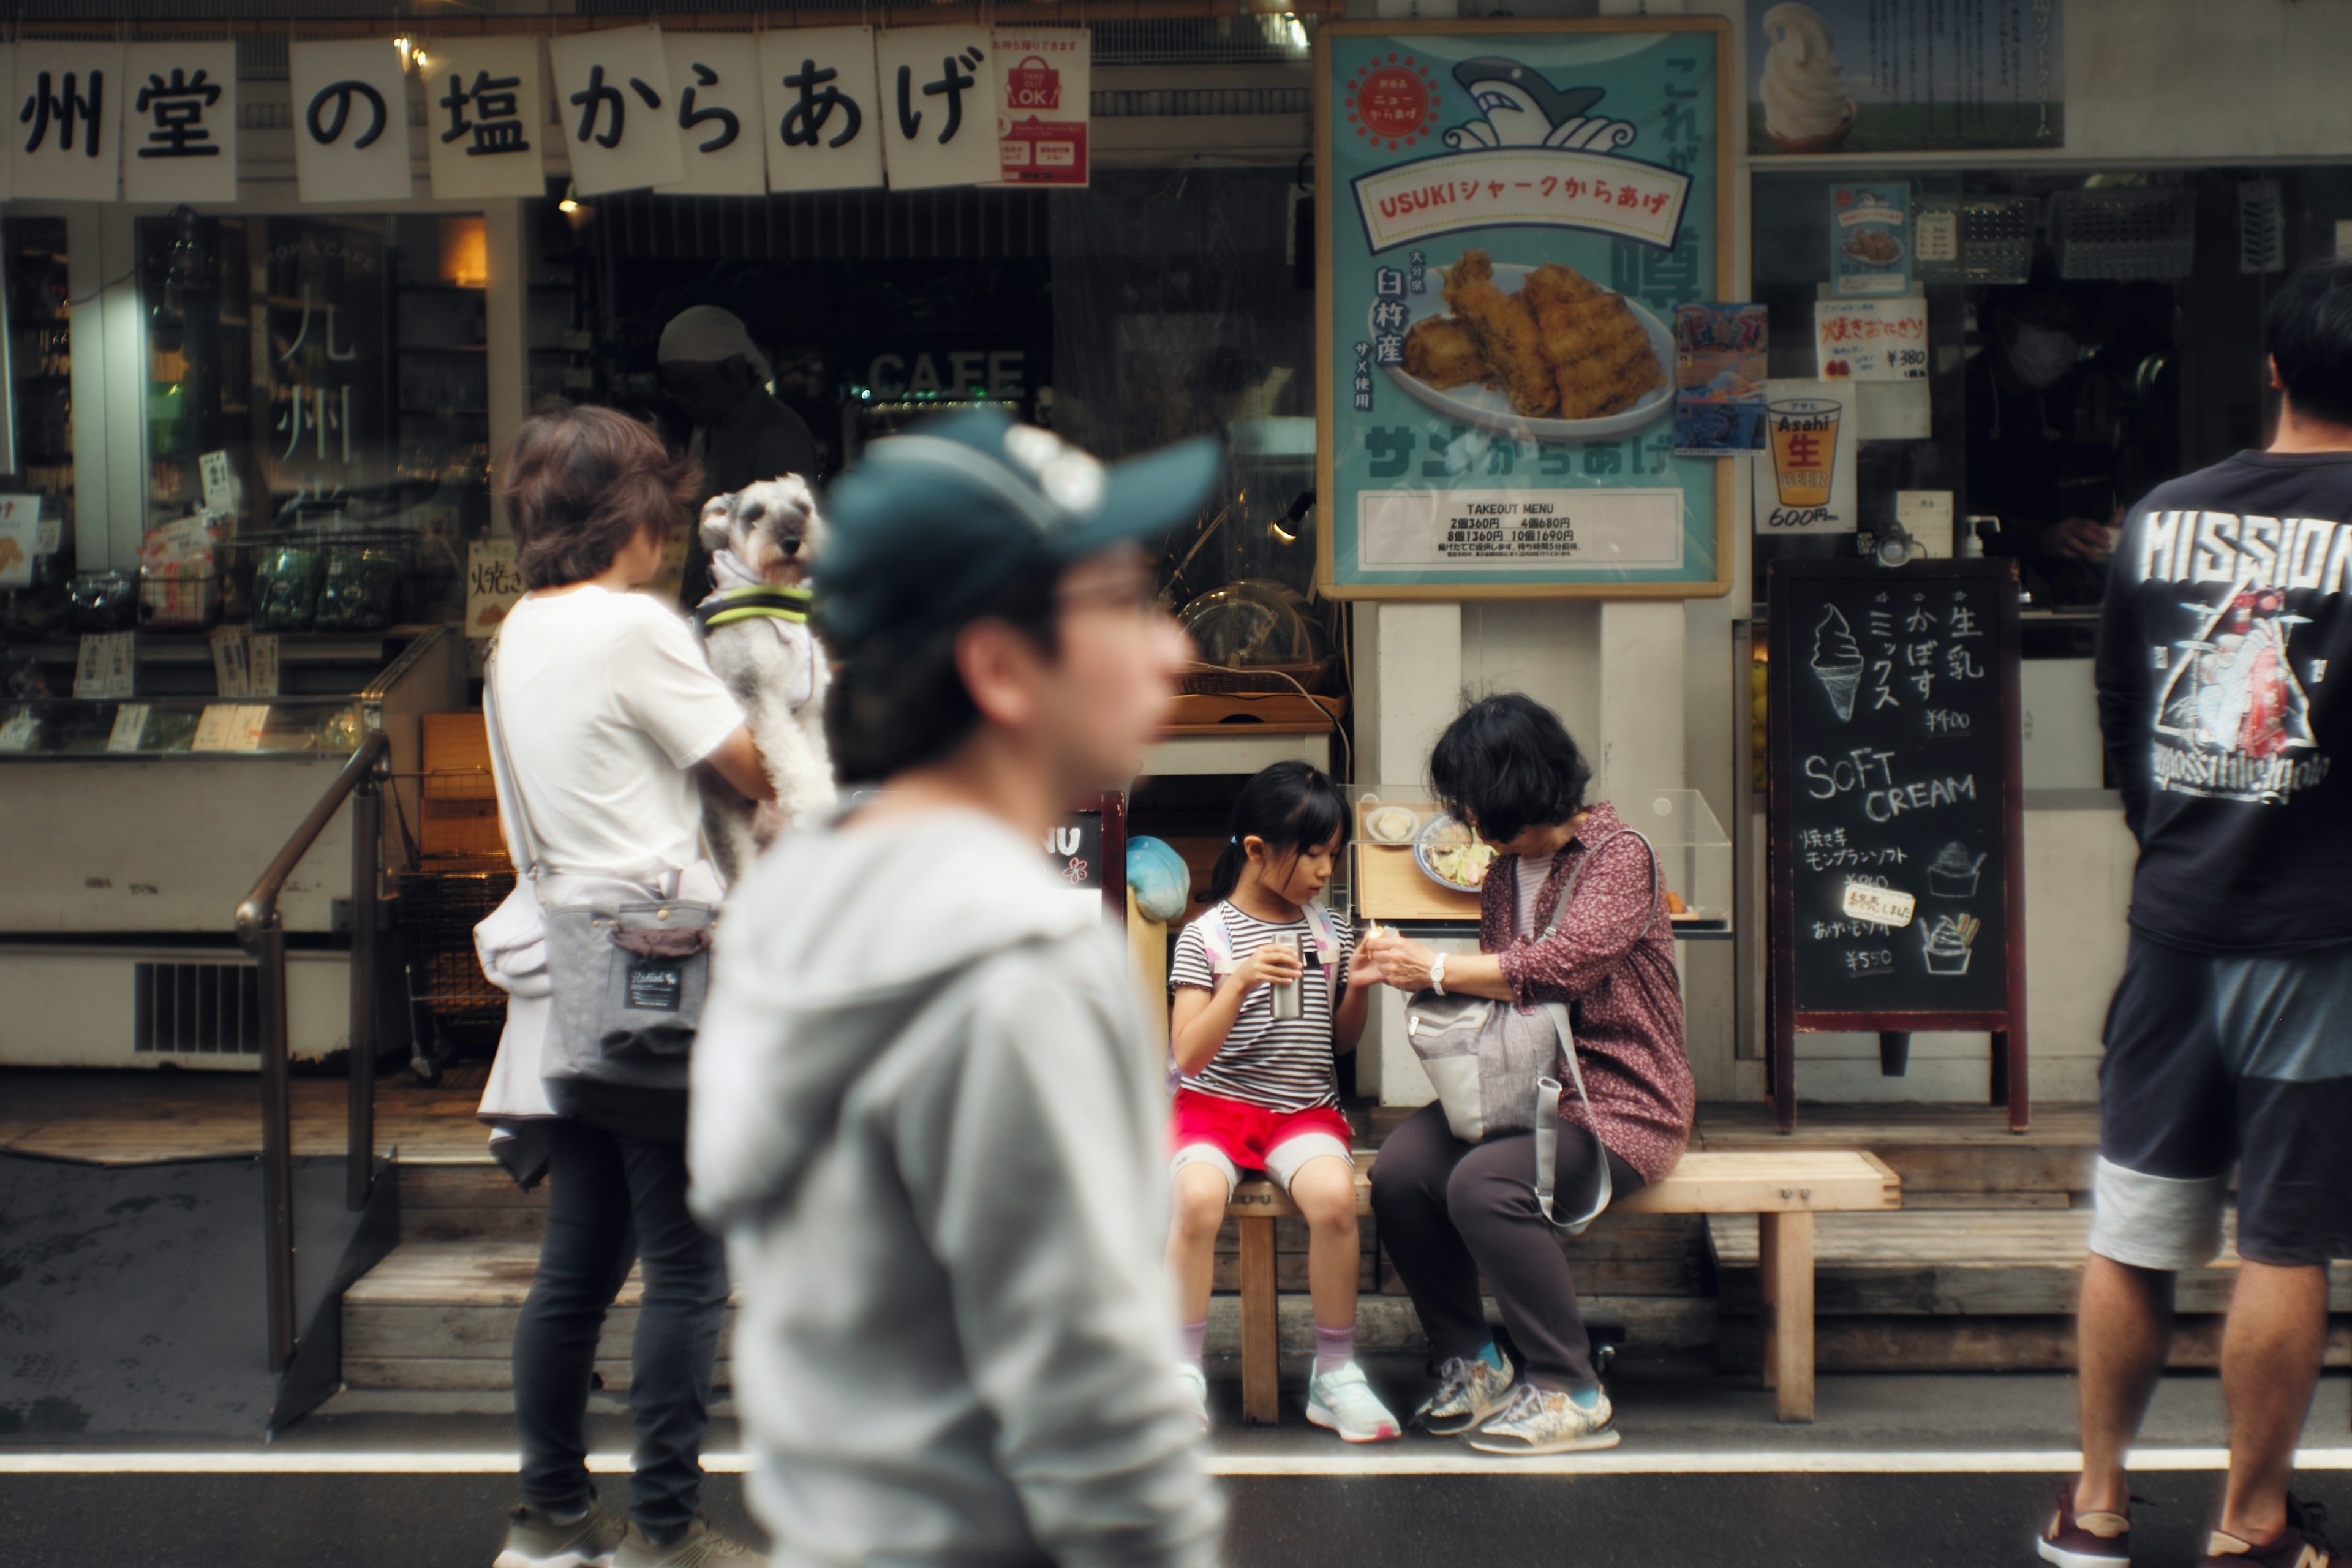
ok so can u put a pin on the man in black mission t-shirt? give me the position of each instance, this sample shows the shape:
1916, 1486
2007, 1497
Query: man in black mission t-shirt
2226, 634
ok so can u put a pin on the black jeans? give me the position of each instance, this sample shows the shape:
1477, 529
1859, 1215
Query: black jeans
1450, 1211
612, 1196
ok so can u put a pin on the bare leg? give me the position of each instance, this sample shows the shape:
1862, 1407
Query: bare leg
2122, 1334
1325, 1191
1201, 1198
2270, 1364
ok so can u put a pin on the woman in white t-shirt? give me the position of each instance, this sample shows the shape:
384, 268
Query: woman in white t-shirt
606, 706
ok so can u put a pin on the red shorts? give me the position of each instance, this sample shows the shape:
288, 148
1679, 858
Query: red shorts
1251, 1137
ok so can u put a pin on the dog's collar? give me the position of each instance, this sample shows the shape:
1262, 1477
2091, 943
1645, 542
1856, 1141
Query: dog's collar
730, 606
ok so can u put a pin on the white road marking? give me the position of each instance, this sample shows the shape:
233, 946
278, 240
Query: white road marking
1414, 1459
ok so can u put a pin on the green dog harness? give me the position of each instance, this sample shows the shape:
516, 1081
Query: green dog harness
730, 606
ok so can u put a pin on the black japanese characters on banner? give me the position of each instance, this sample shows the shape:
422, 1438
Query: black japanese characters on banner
180, 126
714, 79
822, 109
615, 86
944, 100
68, 121
351, 121
484, 117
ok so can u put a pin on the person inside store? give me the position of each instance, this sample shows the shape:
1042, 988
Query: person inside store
743, 431
1571, 910
928, 1112
2066, 418
603, 706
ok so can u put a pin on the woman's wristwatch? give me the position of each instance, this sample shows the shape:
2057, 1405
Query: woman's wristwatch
1437, 974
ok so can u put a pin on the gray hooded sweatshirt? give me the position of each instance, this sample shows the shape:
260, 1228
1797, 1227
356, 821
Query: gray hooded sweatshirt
929, 1121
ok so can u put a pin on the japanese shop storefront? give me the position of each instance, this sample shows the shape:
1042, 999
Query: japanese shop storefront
257, 379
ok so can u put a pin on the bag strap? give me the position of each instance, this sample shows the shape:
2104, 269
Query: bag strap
1217, 938
1547, 1089
502, 773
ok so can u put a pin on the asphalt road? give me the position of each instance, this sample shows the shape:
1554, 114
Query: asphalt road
1494, 1521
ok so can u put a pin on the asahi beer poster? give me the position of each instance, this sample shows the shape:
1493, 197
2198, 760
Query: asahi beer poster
1872, 76
1514, 212
1805, 479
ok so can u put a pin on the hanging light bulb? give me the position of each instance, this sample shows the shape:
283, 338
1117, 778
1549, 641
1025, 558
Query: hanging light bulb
570, 202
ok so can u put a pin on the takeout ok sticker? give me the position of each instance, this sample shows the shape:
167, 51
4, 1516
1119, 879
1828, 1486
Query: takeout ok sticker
1391, 101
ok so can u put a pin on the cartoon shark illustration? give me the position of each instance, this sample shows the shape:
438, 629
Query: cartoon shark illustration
1523, 110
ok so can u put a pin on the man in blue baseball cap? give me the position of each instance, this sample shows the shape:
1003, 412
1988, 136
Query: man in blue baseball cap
926, 1111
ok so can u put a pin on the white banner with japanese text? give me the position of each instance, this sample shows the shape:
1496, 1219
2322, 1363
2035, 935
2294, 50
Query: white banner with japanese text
179, 122
1047, 77
9, 97
939, 107
351, 121
714, 80
68, 146
620, 121
823, 130
485, 118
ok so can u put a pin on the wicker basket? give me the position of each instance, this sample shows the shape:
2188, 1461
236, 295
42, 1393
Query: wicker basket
1254, 677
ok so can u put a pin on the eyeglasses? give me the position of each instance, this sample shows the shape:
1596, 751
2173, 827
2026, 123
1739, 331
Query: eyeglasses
1131, 593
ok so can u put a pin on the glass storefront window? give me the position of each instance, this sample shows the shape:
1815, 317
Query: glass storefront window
317, 419
40, 375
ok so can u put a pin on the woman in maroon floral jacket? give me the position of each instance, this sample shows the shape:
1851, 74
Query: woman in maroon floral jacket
1451, 1211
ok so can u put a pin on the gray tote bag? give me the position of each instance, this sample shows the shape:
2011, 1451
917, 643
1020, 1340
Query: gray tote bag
626, 978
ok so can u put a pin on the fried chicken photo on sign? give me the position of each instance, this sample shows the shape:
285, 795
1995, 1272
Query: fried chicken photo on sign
1441, 351
1602, 358
1505, 331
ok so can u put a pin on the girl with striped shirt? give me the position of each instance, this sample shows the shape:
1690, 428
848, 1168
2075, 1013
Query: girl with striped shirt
1258, 1092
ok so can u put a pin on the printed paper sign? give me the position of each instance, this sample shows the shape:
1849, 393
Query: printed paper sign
1935, 237
615, 100
1805, 482
939, 104
231, 726
1926, 516
485, 120
1861, 76
19, 733
261, 664
8, 104
1870, 239
1046, 78
492, 584
351, 121
130, 727
1871, 339
179, 122
105, 665
20, 538
66, 123
714, 83
1516, 219
1880, 905
823, 127
1721, 351
219, 491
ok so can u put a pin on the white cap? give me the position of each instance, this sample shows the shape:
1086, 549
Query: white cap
704, 334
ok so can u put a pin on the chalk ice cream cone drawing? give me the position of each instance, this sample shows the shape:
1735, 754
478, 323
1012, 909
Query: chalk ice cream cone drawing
1950, 942
1953, 874
1806, 107
1837, 662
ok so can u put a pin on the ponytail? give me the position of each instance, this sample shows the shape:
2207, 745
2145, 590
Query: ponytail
1290, 807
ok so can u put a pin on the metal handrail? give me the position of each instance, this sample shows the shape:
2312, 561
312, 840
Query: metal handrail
261, 932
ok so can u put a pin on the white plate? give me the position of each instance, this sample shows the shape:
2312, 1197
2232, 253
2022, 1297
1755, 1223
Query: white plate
1485, 406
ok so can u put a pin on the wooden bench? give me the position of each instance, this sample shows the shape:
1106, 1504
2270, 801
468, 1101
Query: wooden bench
1784, 1189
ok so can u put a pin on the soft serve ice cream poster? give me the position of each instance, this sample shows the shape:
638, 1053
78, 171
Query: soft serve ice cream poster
1899, 76
1514, 213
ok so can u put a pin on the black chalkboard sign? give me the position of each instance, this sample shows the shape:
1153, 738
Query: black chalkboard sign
1895, 817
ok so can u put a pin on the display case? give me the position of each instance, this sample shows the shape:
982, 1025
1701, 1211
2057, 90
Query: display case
135, 825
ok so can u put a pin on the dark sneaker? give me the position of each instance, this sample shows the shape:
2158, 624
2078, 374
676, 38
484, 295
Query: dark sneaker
535, 1540
1469, 1389
699, 1547
2302, 1544
2094, 1540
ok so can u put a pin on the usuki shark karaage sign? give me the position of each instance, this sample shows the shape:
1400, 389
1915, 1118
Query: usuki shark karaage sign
1509, 213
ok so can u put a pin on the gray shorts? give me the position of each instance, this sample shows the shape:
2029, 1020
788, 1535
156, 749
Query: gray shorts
2215, 1061
1283, 1162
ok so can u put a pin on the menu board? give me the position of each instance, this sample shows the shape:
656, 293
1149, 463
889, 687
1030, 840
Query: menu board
1895, 808
1087, 850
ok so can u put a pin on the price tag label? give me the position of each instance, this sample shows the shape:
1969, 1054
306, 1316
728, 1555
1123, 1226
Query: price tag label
261, 665
16, 734
129, 726
231, 726
212, 470
1936, 235
232, 677
105, 665
1880, 905
51, 534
